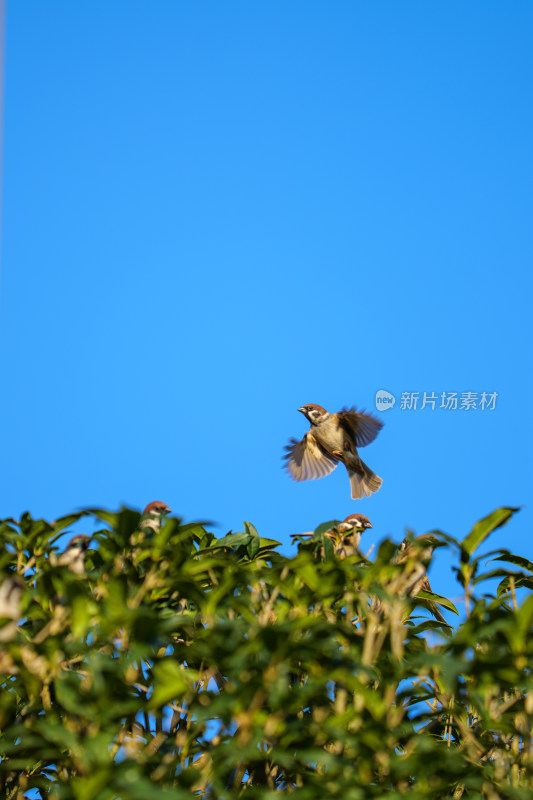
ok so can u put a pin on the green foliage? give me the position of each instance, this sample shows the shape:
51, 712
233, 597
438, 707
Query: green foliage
181, 665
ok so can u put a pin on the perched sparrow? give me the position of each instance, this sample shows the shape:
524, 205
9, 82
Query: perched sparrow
333, 438
347, 535
154, 515
417, 554
10, 596
74, 555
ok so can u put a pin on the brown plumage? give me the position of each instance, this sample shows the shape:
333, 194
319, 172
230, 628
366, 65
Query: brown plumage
346, 536
73, 556
334, 438
11, 590
153, 515
157, 507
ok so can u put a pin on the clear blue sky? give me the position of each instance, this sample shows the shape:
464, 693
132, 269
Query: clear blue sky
217, 212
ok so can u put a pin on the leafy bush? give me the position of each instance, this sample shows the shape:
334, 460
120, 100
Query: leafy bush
182, 665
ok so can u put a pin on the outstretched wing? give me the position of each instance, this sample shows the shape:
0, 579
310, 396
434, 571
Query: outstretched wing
362, 427
306, 460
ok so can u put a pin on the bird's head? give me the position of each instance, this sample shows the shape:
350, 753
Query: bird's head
314, 413
157, 509
346, 536
154, 515
420, 547
73, 556
79, 542
354, 521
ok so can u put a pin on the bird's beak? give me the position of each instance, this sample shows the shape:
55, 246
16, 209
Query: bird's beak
369, 525
302, 410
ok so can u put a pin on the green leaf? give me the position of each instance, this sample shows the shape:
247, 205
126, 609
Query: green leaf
230, 540
518, 561
89, 787
428, 625
269, 543
485, 527
197, 529
327, 544
521, 580
254, 544
64, 522
325, 526
437, 598
169, 681
80, 616
496, 573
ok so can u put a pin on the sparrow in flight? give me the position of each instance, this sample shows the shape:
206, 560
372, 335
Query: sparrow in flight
333, 438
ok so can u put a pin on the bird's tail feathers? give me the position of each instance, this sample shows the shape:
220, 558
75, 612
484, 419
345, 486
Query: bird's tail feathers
363, 485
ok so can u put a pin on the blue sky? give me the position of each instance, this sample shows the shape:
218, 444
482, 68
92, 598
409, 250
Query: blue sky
214, 213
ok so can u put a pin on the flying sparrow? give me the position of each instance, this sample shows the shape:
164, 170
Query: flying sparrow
73, 556
10, 596
154, 515
417, 555
333, 438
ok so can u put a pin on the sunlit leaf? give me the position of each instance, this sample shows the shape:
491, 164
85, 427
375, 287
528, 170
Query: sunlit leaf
518, 561
325, 526
485, 527
231, 540
437, 598
254, 543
